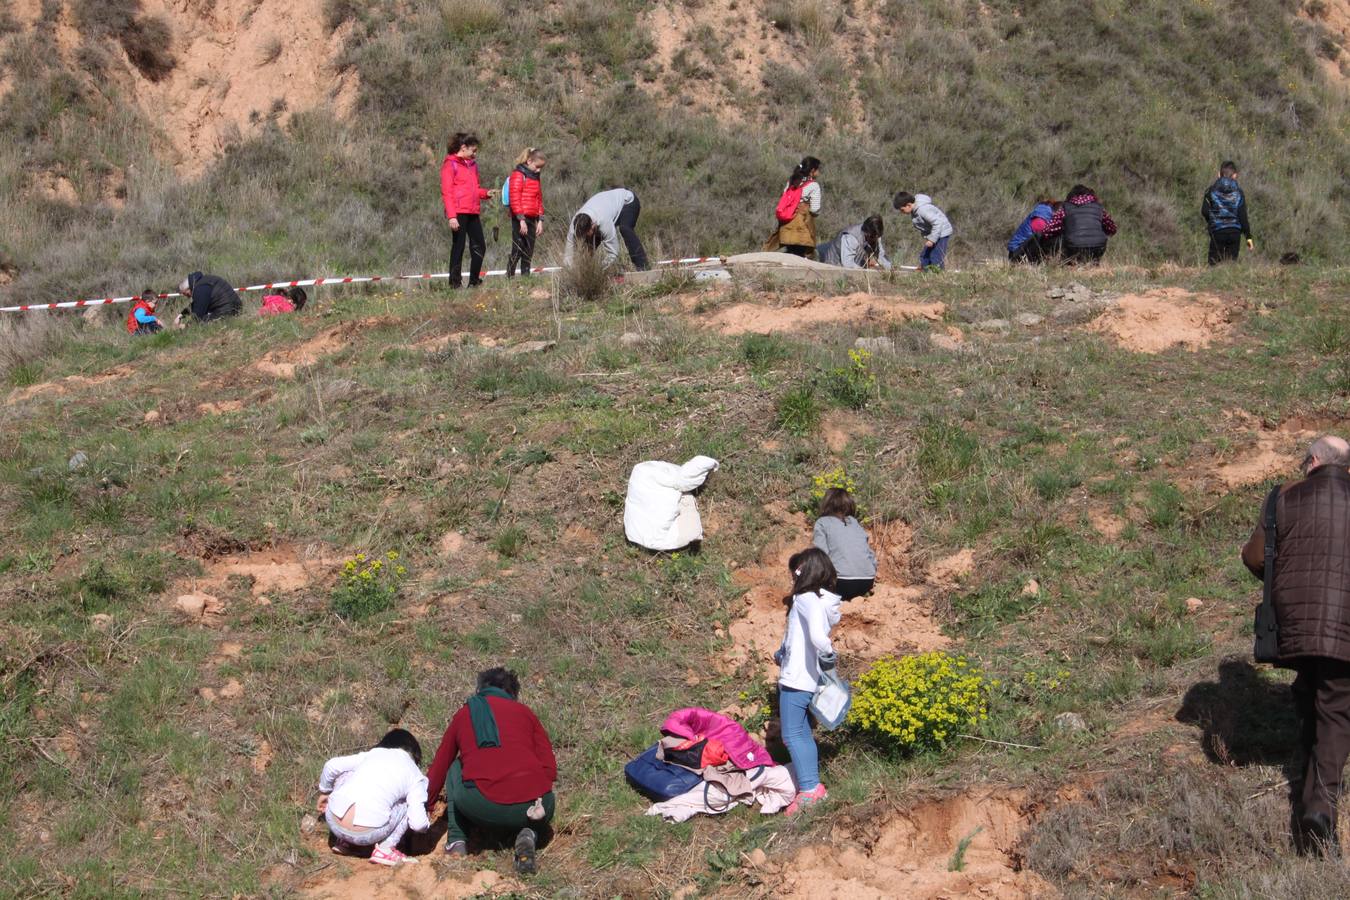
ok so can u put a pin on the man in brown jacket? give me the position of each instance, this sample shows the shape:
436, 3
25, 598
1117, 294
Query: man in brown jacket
1311, 594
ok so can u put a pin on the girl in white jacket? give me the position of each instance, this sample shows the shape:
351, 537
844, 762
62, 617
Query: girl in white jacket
373, 798
805, 652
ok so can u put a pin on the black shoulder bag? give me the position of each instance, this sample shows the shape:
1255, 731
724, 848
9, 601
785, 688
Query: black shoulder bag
1266, 646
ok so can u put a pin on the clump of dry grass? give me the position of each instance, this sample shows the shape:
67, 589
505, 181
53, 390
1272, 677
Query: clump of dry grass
1222, 827
25, 338
588, 277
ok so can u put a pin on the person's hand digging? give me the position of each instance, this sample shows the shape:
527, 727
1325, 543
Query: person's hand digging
322, 805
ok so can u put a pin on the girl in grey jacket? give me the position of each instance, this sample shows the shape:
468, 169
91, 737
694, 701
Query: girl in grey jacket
844, 540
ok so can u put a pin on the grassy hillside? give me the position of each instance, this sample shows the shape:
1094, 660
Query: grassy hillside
150, 751
984, 105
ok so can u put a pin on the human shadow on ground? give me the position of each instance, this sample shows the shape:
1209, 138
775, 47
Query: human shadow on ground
1247, 718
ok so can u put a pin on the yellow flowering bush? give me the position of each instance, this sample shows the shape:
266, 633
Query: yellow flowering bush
852, 385
368, 585
834, 478
920, 702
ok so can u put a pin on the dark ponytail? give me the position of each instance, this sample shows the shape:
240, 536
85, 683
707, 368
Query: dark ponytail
803, 171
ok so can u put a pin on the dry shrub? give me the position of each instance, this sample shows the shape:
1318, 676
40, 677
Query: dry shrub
466, 17
149, 46
25, 338
148, 41
1222, 827
588, 277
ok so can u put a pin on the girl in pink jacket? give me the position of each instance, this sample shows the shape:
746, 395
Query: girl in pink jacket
463, 197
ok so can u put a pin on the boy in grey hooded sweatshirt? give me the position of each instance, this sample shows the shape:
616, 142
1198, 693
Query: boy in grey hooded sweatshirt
930, 222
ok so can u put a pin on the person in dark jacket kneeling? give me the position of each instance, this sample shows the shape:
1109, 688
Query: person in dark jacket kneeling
497, 766
212, 298
1083, 225
1311, 595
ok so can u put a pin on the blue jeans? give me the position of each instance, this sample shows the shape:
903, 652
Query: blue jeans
935, 255
793, 712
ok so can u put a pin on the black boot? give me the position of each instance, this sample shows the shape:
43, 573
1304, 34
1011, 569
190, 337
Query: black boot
525, 850
1320, 832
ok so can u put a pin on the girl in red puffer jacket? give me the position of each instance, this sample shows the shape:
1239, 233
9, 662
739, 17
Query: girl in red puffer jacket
463, 197
527, 209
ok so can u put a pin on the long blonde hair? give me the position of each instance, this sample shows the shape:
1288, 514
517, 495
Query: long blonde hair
530, 154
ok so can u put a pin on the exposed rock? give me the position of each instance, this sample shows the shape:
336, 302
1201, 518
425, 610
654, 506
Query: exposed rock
631, 339
78, 461
1076, 312
1071, 722
198, 606
1074, 293
263, 758
308, 824
1193, 604
951, 340
875, 344
529, 347
100, 621
1028, 320
1032, 588
151, 416
993, 325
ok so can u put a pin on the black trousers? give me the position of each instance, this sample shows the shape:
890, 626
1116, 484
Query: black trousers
848, 588
1088, 256
148, 328
626, 225
1322, 698
802, 250
470, 229
522, 245
1224, 246
1035, 250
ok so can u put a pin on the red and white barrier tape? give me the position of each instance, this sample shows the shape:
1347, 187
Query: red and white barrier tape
316, 282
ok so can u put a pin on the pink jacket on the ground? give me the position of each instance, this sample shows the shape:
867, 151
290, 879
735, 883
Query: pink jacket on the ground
460, 190
696, 722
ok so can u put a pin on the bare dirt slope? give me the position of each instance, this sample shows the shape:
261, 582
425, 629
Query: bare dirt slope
232, 66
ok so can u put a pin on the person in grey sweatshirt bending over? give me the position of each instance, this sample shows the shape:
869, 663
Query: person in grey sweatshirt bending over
843, 539
858, 247
601, 221
930, 222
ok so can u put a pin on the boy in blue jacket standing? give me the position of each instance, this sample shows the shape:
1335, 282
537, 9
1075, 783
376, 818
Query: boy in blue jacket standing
930, 222
1224, 209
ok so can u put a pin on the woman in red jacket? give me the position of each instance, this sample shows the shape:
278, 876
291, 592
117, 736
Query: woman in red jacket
497, 766
527, 209
463, 197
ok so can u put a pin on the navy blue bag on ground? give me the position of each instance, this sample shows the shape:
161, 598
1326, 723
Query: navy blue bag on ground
657, 778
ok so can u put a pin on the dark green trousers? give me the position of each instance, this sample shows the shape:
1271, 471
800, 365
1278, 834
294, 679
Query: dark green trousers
467, 808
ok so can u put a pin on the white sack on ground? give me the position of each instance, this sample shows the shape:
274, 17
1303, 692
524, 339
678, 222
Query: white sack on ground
659, 514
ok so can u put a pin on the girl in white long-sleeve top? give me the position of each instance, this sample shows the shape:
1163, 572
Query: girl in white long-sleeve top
805, 652
373, 798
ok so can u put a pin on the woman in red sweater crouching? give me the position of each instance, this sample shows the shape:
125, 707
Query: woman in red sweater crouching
496, 764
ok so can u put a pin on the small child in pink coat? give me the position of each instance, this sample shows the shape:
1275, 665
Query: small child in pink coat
285, 300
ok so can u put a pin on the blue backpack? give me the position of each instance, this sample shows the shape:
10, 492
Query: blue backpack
658, 779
